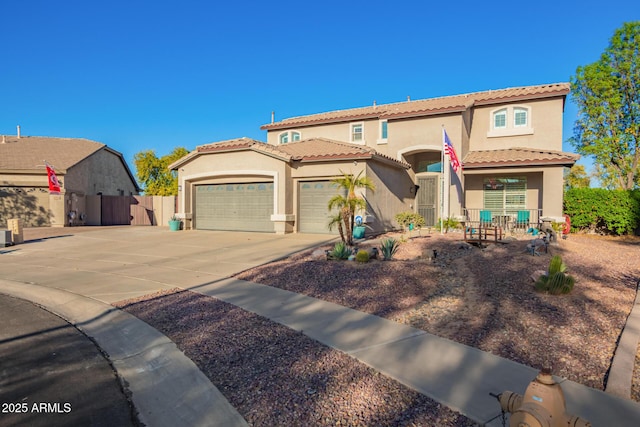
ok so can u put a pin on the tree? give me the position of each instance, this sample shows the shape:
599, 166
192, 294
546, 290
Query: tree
349, 204
154, 174
607, 94
576, 177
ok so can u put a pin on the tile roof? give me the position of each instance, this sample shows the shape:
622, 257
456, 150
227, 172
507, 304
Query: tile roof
308, 150
517, 157
30, 152
323, 149
425, 107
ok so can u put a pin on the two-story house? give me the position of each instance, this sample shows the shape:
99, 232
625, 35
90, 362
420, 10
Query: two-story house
509, 142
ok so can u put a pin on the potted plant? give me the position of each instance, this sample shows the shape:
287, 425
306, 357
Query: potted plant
174, 223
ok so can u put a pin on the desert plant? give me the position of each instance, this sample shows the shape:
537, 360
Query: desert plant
349, 204
556, 282
340, 251
362, 256
406, 218
389, 247
447, 224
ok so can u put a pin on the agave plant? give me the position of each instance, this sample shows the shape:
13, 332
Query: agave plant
340, 251
389, 247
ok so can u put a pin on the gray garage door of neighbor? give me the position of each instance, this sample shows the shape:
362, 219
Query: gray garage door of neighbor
237, 207
314, 197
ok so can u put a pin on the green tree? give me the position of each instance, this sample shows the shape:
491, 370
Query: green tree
607, 94
154, 174
349, 204
576, 177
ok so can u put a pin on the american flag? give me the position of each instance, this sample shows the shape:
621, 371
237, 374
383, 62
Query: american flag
449, 151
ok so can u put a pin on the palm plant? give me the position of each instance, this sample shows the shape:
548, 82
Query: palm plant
336, 220
349, 204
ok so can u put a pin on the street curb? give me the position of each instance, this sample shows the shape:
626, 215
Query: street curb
165, 386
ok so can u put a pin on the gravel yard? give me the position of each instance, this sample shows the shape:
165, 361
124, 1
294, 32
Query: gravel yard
275, 376
486, 299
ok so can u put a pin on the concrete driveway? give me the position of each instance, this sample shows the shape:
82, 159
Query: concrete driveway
116, 263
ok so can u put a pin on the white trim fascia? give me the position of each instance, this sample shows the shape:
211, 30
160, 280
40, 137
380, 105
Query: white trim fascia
235, 172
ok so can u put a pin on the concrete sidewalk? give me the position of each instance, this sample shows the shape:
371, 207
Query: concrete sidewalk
453, 374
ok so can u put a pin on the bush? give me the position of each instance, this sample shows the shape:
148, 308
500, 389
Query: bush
406, 218
389, 247
340, 251
362, 256
556, 282
605, 211
448, 224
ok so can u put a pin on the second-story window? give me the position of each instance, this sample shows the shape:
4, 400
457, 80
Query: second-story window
519, 117
289, 136
500, 119
357, 132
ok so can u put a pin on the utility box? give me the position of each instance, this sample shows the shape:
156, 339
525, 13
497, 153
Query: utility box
15, 227
5, 238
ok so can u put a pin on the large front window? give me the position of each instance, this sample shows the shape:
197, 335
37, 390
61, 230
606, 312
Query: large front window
505, 194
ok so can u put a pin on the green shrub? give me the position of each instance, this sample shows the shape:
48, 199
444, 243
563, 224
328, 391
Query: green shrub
340, 251
556, 282
606, 211
362, 256
406, 218
447, 224
389, 247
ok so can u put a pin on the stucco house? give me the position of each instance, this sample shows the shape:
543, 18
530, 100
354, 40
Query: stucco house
509, 142
83, 168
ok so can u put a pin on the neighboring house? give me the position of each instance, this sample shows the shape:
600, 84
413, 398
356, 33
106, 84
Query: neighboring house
83, 167
509, 142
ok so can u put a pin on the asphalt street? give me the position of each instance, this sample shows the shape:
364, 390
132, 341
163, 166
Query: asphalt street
53, 375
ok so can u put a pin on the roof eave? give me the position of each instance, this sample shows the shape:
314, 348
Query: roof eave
424, 113
300, 124
528, 97
524, 163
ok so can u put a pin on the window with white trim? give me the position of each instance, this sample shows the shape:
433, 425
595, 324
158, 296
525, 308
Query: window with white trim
287, 136
510, 121
505, 194
520, 116
357, 133
383, 132
500, 119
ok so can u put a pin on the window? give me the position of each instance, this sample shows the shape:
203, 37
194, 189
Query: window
287, 136
383, 129
500, 119
357, 132
510, 121
519, 117
502, 194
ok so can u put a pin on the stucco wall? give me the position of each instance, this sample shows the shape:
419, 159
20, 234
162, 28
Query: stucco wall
391, 196
545, 121
102, 172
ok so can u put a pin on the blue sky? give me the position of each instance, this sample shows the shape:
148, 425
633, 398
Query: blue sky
140, 74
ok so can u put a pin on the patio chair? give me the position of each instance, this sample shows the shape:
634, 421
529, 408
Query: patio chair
485, 219
522, 220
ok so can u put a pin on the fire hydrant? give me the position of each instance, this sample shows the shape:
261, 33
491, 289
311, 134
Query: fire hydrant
543, 405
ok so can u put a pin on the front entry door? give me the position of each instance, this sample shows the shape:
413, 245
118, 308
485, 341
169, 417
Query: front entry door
427, 199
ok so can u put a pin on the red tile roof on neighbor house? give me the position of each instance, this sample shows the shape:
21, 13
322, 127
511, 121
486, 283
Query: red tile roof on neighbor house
517, 157
308, 150
30, 152
426, 107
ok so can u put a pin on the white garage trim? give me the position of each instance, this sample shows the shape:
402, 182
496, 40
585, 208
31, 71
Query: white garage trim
235, 172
